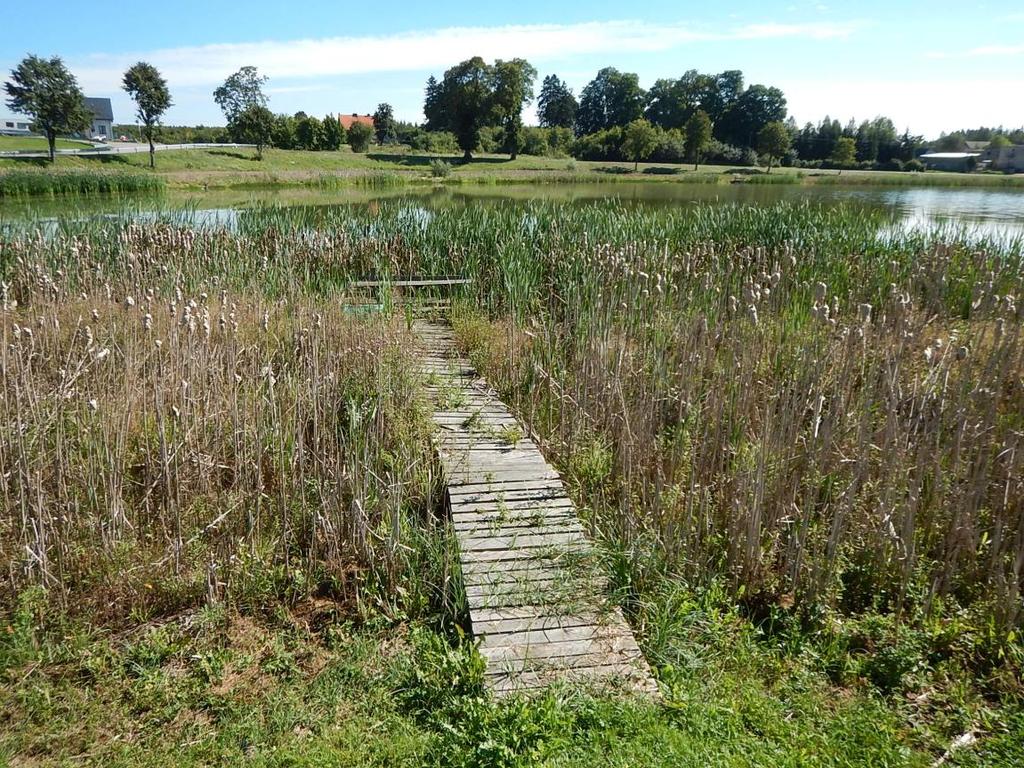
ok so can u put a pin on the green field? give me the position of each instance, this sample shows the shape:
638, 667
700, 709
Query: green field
37, 143
230, 167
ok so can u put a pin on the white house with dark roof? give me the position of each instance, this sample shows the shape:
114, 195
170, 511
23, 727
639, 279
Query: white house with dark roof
12, 124
102, 117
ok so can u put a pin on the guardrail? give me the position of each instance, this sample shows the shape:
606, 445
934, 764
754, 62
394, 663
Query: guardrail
114, 149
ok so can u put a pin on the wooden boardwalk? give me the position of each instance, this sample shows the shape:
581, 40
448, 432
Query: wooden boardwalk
535, 598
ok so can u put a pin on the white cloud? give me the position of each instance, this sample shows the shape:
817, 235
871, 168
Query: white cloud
436, 49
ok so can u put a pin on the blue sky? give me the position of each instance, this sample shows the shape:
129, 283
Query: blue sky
931, 66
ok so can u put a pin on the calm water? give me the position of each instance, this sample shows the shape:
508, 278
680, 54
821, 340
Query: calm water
989, 212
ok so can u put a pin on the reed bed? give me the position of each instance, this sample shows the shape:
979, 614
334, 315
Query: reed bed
810, 404
164, 449
16, 184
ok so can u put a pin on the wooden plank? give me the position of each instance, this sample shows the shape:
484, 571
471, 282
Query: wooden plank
535, 598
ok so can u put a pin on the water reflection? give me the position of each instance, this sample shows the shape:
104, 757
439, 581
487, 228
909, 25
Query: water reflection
984, 211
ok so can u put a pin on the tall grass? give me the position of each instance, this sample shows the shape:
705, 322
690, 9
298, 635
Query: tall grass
14, 184
809, 403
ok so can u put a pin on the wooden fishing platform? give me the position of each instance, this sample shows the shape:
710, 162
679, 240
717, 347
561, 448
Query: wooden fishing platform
536, 599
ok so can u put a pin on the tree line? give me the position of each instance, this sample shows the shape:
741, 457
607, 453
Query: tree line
477, 106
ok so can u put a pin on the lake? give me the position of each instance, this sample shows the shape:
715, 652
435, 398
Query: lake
988, 212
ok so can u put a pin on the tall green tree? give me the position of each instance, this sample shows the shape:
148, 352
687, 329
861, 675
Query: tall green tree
463, 102
45, 90
384, 124
253, 125
749, 113
309, 133
773, 141
556, 104
241, 91
639, 140
359, 137
512, 90
698, 136
332, 134
148, 89
845, 151
611, 98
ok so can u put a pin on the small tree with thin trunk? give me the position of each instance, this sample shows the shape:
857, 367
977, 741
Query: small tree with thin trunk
773, 141
254, 125
148, 89
639, 140
46, 91
698, 136
384, 124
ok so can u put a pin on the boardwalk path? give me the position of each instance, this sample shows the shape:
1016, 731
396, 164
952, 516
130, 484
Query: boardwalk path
534, 595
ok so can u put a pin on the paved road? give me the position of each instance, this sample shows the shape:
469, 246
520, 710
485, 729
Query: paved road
124, 148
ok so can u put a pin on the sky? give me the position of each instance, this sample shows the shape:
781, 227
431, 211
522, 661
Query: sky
930, 66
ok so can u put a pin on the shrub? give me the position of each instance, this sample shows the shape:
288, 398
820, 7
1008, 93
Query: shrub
913, 165
359, 137
439, 169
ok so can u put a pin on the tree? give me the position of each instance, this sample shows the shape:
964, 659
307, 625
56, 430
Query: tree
999, 141
45, 90
556, 105
611, 98
332, 134
463, 102
240, 92
308, 133
639, 140
282, 135
148, 89
254, 125
747, 115
773, 140
845, 151
384, 124
698, 135
513, 90
359, 136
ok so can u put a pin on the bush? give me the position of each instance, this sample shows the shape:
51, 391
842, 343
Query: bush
359, 137
439, 169
603, 145
895, 164
913, 165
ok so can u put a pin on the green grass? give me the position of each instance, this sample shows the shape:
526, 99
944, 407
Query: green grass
63, 183
37, 144
230, 167
305, 686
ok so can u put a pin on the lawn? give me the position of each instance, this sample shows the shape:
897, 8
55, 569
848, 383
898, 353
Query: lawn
222, 167
37, 143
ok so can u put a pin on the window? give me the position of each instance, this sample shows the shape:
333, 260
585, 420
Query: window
8, 125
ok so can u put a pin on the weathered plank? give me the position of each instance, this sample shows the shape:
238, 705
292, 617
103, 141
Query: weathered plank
535, 596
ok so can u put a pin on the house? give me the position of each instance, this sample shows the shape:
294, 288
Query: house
14, 125
950, 161
347, 121
102, 117
1006, 159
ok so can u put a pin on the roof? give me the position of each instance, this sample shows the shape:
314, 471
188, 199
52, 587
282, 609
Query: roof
100, 108
948, 155
347, 121
973, 145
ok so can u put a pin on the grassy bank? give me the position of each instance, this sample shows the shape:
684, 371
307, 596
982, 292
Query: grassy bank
37, 144
794, 435
227, 168
69, 183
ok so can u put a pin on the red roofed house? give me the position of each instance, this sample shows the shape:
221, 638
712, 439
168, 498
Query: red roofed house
347, 121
